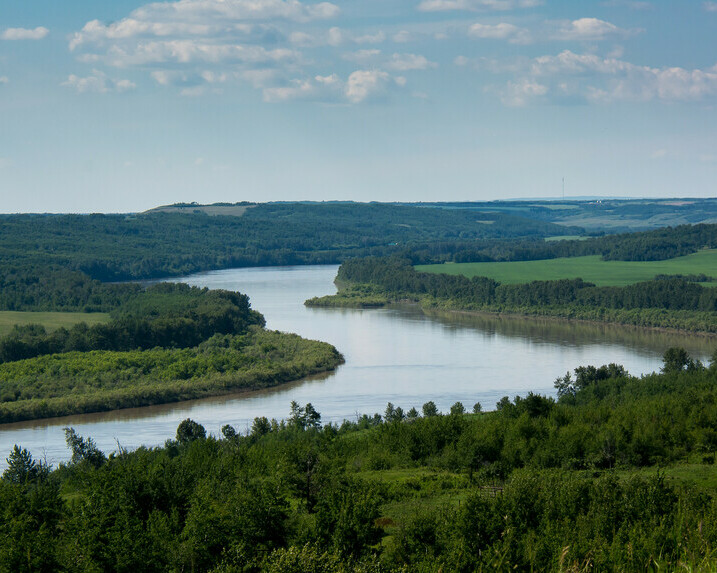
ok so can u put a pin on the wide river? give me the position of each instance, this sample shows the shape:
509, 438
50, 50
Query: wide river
397, 355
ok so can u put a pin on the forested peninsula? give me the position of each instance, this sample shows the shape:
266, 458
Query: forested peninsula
680, 302
166, 343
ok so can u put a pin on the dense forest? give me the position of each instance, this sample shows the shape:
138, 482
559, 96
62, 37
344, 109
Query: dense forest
166, 343
665, 302
571, 484
655, 245
157, 244
164, 315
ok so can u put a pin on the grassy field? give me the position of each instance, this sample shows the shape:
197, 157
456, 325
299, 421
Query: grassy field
50, 320
591, 269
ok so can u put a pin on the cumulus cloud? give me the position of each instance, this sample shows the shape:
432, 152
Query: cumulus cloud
191, 51
364, 84
476, 5
24, 33
591, 78
502, 31
97, 82
583, 30
406, 62
360, 86
522, 91
710, 6
587, 29
200, 17
195, 46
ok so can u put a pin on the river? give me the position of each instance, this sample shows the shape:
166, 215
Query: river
397, 355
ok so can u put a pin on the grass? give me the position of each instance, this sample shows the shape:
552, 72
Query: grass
50, 320
591, 269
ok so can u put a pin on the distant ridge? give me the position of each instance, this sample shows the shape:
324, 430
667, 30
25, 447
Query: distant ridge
227, 209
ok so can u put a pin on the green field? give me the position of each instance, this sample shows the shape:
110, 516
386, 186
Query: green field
50, 320
591, 269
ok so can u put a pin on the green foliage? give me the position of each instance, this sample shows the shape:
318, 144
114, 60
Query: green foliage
84, 450
21, 468
189, 430
165, 315
430, 409
671, 303
156, 244
78, 382
458, 409
535, 484
676, 360
301, 417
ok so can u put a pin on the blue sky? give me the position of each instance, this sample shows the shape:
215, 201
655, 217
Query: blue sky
121, 106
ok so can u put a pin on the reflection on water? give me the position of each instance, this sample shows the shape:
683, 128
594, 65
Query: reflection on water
577, 333
397, 354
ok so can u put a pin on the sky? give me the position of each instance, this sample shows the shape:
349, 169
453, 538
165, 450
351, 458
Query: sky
125, 105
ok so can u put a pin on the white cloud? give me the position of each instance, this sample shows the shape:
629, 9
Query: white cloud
519, 93
298, 90
4, 80
476, 5
200, 17
502, 31
189, 51
590, 78
659, 154
406, 62
5, 162
587, 29
361, 86
376, 38
98, 82
24, 33
335, 36
710, 6
364, 84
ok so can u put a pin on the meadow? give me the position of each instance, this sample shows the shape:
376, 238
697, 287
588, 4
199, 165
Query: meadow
590, 268
50, 320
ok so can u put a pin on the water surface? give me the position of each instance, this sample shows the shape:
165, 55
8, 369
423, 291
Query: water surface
398, 355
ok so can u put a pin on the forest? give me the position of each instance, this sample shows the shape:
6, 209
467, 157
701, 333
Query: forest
157, 244
672, 302
166, 343
616, 474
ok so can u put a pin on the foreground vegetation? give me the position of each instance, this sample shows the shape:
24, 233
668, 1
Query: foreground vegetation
670, 302
100, 380
700, 266
167, 343
599, 479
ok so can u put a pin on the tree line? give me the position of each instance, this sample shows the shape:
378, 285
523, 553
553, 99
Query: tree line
168, 315
669, 301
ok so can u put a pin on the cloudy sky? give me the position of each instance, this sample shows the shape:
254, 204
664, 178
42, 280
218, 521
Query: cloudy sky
121, 106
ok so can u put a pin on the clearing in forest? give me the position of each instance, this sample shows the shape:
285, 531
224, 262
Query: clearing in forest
591, 269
